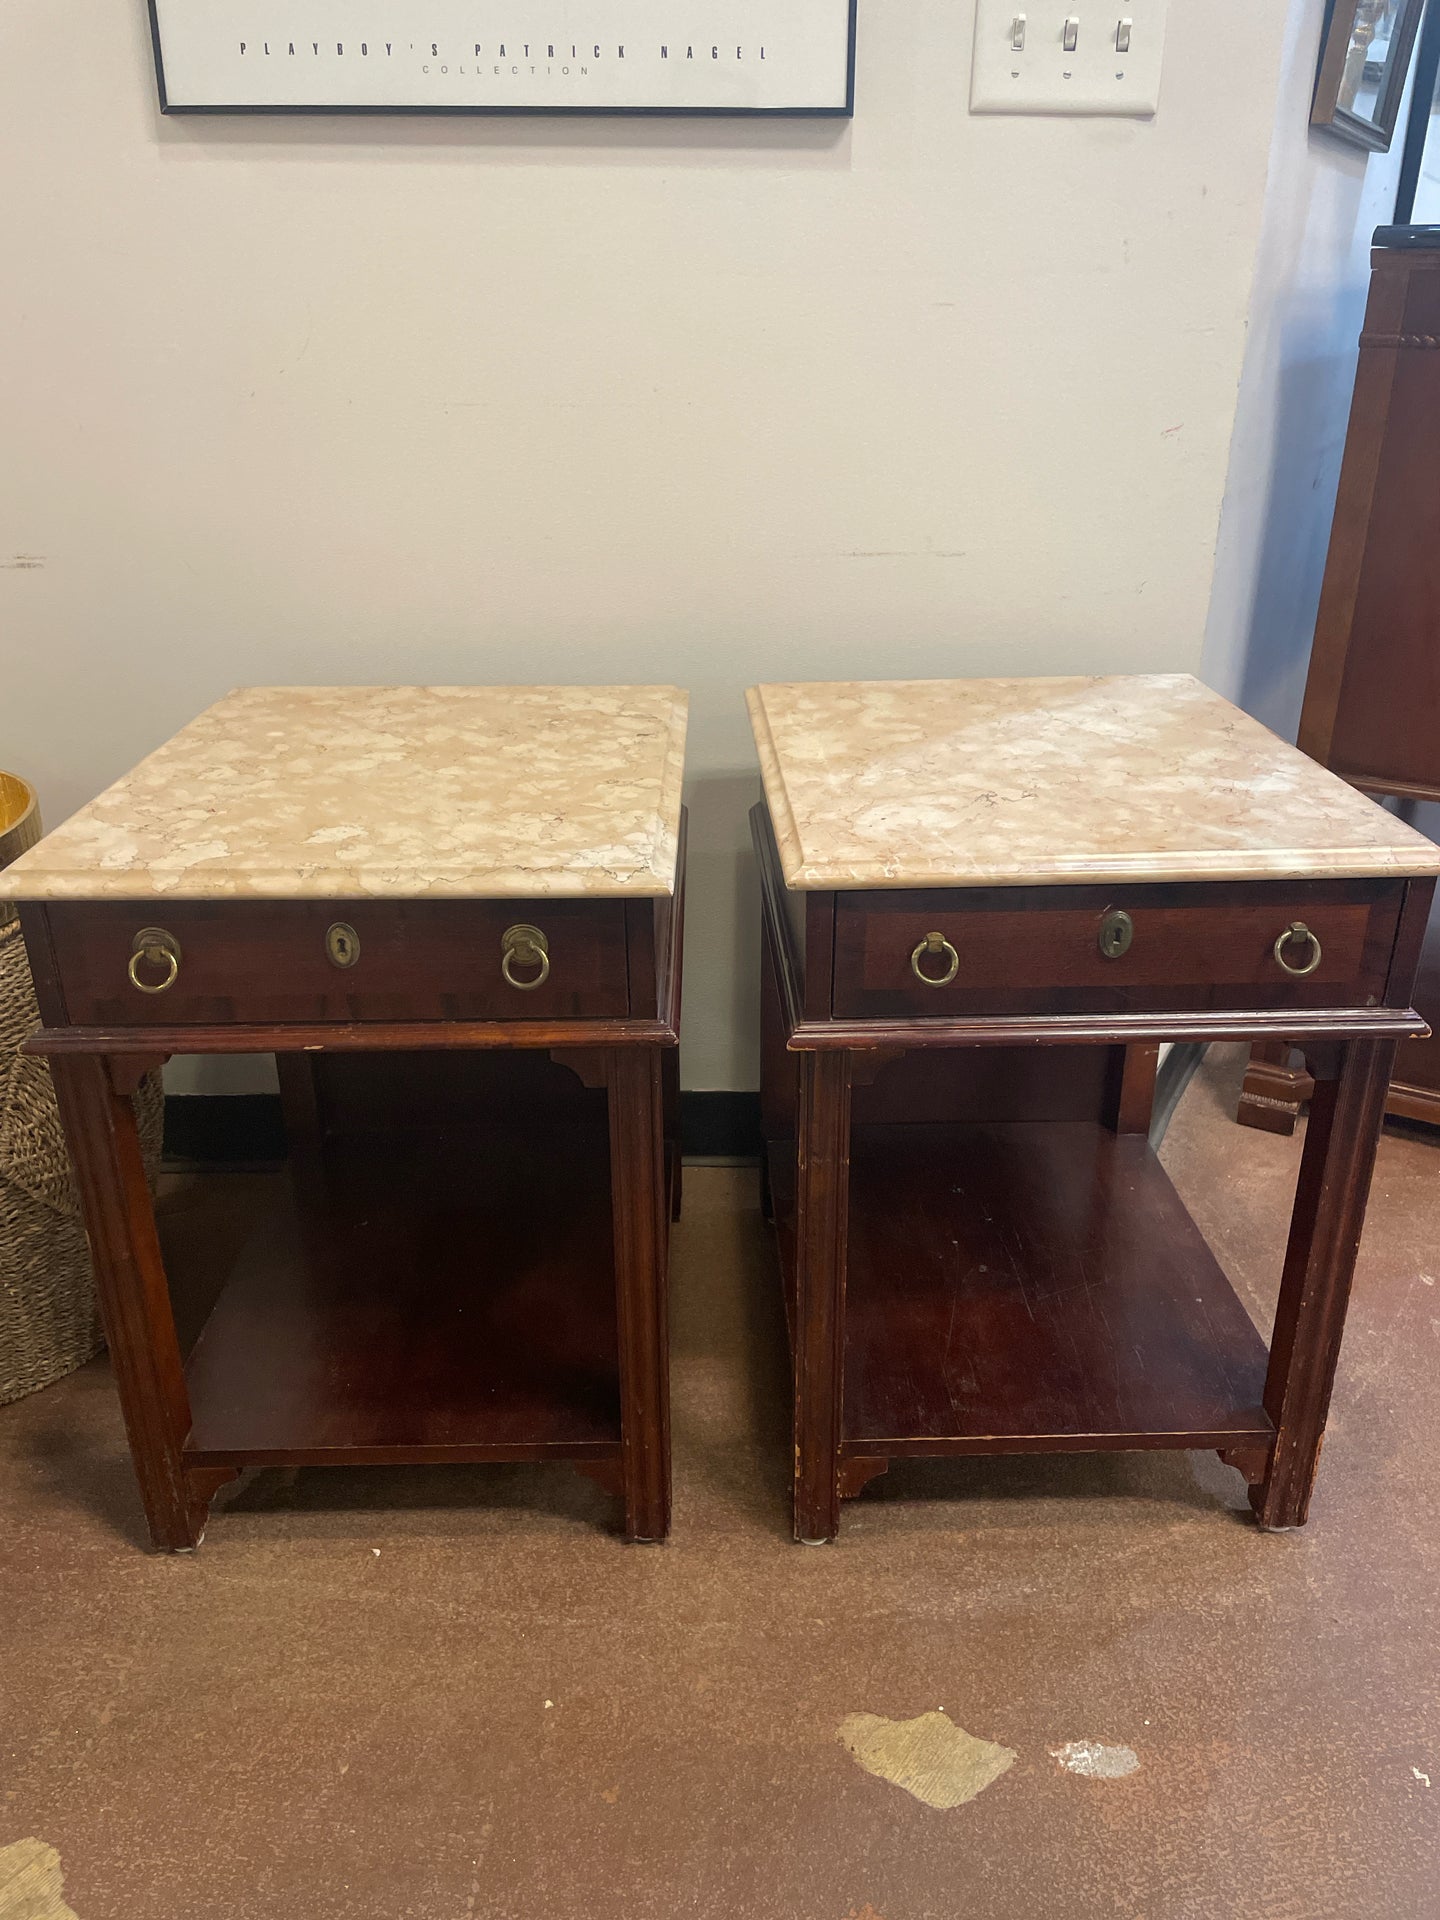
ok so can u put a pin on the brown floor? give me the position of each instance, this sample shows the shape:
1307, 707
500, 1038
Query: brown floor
505, 1712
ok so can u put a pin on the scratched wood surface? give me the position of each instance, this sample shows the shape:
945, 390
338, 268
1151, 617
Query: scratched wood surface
447, 1294
1035, 1285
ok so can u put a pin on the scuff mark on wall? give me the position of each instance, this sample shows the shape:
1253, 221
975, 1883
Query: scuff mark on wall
930, 1757
23, 562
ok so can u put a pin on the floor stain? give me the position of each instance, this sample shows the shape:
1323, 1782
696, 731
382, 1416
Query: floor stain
31, 1886
1095, 1760
930, 1757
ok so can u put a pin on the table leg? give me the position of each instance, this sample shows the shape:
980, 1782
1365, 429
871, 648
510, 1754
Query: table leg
638, 1204
674, 1157
822, 1171
300, 1101
134, 1298
1341, 1137
1275, 1088
1130, 1088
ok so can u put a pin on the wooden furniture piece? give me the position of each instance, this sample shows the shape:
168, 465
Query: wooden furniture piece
985, 904
454, 916
1372, 699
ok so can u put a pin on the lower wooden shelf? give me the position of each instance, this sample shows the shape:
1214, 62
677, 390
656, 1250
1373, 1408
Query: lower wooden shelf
1032, 1287
408, 1298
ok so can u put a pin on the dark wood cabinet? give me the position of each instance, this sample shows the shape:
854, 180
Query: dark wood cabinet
1372, 697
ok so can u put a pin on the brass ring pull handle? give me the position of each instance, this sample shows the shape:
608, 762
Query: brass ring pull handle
524, 947
935, 943
156, 948
1297, 930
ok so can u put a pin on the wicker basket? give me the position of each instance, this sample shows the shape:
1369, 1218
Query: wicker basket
48, 1322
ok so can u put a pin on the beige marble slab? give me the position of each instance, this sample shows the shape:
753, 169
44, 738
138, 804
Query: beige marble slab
397, 792
906, 783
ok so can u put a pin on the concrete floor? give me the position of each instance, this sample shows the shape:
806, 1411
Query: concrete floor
426, 1695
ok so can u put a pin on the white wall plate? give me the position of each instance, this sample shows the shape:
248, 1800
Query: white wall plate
1023, 64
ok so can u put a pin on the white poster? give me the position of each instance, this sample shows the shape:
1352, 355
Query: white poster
580, 56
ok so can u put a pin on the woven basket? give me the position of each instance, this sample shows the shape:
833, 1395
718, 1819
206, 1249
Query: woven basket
48, 1322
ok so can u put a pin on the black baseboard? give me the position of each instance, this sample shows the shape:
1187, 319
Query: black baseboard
248, 1127
720, 1126
224, 1126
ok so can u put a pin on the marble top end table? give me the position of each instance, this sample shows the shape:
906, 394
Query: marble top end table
453, 914
985, 905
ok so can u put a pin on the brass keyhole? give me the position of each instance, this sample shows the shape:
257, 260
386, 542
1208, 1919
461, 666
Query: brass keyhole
1117, 930
342, 944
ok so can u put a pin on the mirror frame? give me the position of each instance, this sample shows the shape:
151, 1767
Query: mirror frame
1376, 134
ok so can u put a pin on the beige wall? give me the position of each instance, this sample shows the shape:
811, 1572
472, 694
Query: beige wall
319, 400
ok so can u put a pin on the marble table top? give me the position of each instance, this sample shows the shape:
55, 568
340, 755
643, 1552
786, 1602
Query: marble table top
914, 783
398, 792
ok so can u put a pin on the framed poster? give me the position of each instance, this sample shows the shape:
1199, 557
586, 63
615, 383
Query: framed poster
505, 56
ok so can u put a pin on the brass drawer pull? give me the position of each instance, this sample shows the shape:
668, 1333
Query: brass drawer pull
156, 948
935, 943
1297, 930
525, 947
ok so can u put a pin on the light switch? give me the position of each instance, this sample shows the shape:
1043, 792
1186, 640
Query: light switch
1042, 62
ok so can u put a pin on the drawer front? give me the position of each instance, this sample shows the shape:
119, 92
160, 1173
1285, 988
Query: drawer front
1069, 950
264, 961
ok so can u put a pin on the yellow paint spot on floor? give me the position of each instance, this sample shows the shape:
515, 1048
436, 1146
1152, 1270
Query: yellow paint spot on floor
929, 1756
31, 1887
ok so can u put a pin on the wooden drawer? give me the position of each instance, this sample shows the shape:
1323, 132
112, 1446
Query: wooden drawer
262, 961
1192, 948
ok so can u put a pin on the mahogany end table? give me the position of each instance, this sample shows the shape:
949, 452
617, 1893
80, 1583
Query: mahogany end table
985, 906
453, 914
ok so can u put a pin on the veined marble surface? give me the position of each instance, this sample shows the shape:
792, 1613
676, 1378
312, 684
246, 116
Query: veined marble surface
911, 783
321, 792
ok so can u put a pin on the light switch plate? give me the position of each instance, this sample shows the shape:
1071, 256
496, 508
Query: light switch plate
1041, 77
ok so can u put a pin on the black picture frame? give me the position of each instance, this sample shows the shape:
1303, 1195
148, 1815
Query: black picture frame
1345, 20
845, 111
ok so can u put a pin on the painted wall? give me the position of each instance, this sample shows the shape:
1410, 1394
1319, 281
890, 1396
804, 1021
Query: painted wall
1312, 274
320, 400
1427, 191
